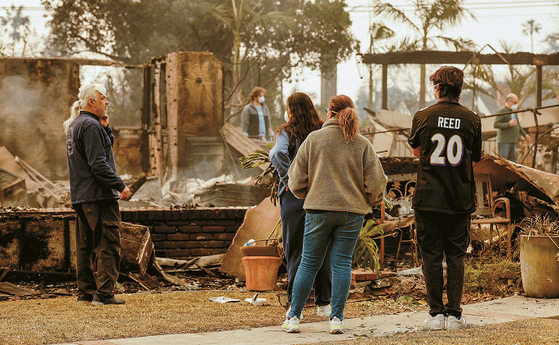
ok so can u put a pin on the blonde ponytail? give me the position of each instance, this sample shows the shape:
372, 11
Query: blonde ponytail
86, 92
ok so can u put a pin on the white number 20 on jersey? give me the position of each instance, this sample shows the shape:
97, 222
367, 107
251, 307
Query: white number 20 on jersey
451, 151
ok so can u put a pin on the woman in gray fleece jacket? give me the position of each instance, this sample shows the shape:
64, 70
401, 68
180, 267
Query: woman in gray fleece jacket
339, 174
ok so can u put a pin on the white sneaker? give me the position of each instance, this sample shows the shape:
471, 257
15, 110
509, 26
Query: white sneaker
291, 325
435, 322
287, 314
336, 326
324, 310
452, 322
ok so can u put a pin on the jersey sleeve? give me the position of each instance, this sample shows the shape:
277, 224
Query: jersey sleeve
413, 139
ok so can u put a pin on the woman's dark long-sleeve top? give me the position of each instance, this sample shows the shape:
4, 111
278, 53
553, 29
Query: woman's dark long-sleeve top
280, 158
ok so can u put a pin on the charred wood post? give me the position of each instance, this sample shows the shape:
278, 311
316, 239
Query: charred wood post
172, 114
536, 137
156, 140
146, 109
384, 86
185, 113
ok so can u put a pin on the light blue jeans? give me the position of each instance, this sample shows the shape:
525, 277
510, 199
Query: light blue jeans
340, 230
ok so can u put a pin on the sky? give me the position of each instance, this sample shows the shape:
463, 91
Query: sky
496, 20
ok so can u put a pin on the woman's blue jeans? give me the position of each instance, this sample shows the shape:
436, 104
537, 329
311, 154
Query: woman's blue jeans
340, 230
293, 230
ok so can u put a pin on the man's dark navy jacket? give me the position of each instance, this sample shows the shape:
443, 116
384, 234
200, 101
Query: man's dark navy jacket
91, 163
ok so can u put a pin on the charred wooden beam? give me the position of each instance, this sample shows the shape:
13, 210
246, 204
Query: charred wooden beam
441, 57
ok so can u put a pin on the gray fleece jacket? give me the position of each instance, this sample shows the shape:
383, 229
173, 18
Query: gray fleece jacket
332, 175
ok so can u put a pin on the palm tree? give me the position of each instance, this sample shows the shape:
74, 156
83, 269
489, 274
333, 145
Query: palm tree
240, 17
529, 28
377, 32
519, 79
429, 16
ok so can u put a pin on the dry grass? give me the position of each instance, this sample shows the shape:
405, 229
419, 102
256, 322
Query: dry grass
534, 331
60, 320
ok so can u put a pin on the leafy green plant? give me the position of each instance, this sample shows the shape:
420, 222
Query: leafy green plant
365, 254
258, 158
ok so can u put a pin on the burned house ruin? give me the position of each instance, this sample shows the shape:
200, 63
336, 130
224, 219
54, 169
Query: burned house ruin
183, 136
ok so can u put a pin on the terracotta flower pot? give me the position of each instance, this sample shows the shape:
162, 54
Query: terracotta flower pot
261, 272
539, 266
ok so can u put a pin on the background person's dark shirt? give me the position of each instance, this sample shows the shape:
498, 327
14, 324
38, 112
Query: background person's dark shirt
450, 138
91, 164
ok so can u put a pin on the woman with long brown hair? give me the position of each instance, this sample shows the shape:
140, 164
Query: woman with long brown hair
339, 174
302, 119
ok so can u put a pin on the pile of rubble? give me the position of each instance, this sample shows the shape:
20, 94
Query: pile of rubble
23, 186
221, 191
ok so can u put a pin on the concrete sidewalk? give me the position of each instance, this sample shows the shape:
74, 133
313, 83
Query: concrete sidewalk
480, 314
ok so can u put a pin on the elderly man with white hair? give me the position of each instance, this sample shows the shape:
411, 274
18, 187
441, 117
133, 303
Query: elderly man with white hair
94, 190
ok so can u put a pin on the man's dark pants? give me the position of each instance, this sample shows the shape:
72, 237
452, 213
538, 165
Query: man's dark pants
97, 247
438, 235
507, 151
293, 226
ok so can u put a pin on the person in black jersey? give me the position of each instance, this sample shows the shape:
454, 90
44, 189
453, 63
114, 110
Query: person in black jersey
447, 139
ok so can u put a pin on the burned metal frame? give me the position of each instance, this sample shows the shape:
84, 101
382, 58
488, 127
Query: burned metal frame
440, 57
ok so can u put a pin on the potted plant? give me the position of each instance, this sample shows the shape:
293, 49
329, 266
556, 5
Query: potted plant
261, 262
253, 160
539, 256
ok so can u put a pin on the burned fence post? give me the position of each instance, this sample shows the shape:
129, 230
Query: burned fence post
536, 113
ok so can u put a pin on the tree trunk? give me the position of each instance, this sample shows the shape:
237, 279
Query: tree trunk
328, 79
236, 74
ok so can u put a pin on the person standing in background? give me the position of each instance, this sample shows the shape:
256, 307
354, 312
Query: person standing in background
255, 119
94, 190
302, 119
508, 129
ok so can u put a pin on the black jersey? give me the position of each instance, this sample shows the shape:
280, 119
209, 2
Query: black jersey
450, 138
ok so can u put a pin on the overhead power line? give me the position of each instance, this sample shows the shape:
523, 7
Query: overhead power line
472, 5
467, 4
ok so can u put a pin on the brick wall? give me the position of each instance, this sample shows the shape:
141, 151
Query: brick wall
44, 240
183, 234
